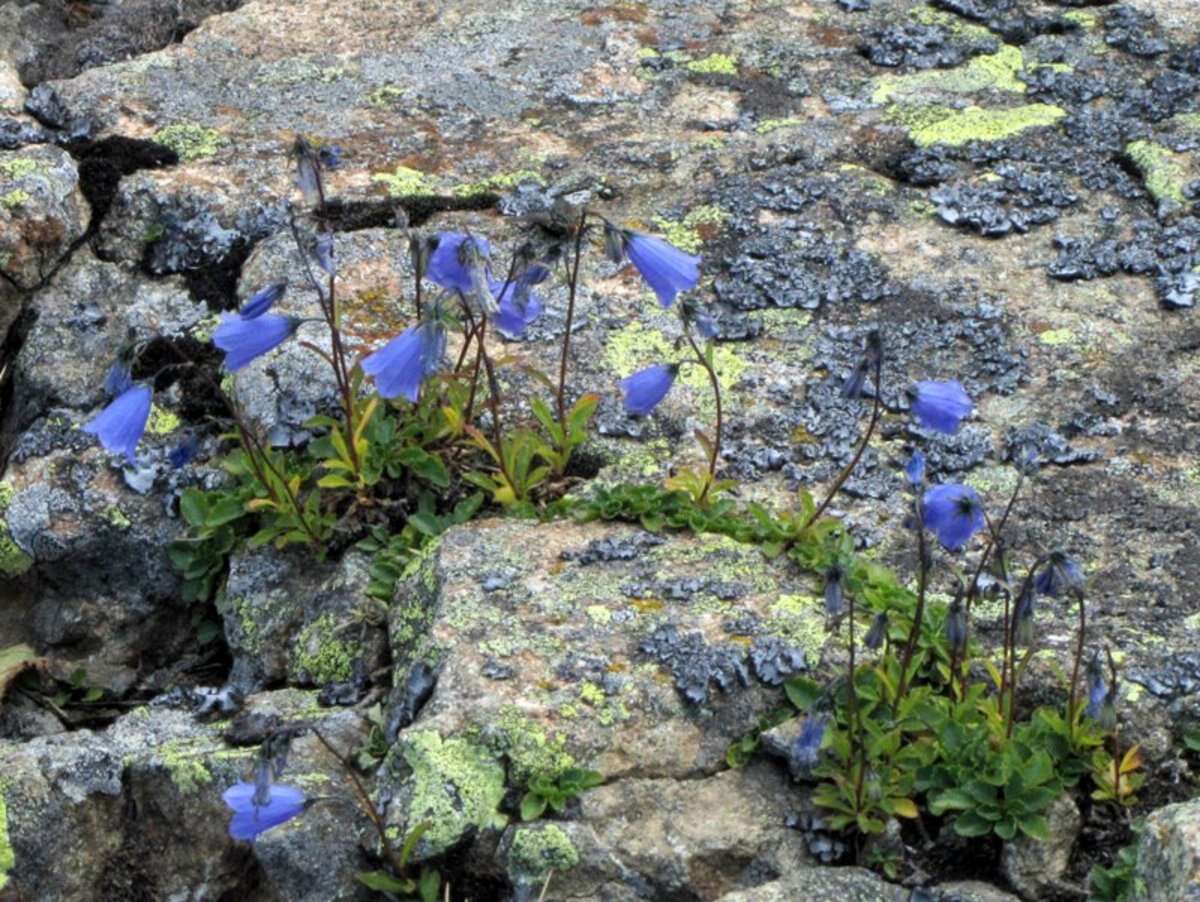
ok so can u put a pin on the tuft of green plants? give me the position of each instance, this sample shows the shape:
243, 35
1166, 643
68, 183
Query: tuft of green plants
555, 791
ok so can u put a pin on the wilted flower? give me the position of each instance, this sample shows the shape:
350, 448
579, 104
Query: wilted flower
242, 340
666, 268
806, 748
956, 625
1023, 616
308, 170
941, 406
120, 425
324, 252
262, 300
954, 513
878, 631
1061, 574
404, 363
183, 453
257, 807
834, 596
914, 470
519, 305
645, 388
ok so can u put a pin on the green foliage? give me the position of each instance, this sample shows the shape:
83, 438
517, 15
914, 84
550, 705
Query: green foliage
200, 558
425, 887
741, 750
76, 690
555, 791
1120, 882
517, 473
1117, 781
565, 437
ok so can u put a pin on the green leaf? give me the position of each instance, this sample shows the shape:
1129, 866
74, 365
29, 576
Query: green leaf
970, 824
193, 506
410, 841
383, 882
802, 692
1034, 826
533, 806
425, 465
431, 882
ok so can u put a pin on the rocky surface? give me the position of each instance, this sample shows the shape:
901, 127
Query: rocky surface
1008, 190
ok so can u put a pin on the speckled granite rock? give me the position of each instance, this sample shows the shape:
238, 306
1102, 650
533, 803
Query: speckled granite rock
1169, 854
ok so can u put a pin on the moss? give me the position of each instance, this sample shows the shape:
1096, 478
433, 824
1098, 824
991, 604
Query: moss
536, 851
498, 182
993, 71
7, 858
15, 198
636, 346
188, 772
977, 124
321, 655
190, 141
688, 233
799, 619
455, 785
19, 167
162, 421
714, 63
1163, 172
405, 182
530, 749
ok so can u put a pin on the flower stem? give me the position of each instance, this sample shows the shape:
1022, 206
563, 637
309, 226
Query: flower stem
1072, 700
560, 398
923, 564
714, 452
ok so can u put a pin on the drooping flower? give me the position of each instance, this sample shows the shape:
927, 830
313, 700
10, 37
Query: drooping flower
1061, 574
519, 305
330, 155
460, 264
834, 595
1097, 688
941, 406
404, 363
666, 268
324, 251
852, 386
185, 451
954, 512
1023, 616
806, 748
242, 340
914, 470
263, 299
120, 425
878, 631
645, 388
956, 626
257, 809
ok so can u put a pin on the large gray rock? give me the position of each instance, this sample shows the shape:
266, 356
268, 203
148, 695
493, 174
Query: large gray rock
1034, 866
1168, 862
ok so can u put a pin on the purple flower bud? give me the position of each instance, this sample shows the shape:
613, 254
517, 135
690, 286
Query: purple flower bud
1061, 574
954, 513
666, 268
308, 172
243, 340
1097, 689
941, 406
120, 425
185, 451
1023, 616
645, 388
914, 470
255, 812
401, 366
878, 631
806, 748
956, 626
330, 156
614, 243
706, 325
263, 299
324, 252
852, 387
834, 596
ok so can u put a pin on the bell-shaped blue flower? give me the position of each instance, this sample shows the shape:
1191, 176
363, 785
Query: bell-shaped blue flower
244, 339
262, 300
666, 268
941, 406
1023, 616
404, 363
834, 590
252, 814
1060, 574
956, 626
519, 305
878, 631
645, 388
455, 256
120, 425
806, 748
914, 470
954, 513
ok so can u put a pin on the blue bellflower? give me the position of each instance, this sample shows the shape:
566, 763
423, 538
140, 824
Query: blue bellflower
257, 809
1061, 574
185, 451
956, 626
1023, 616
914, 470
954, 513
330, 156
324, 251
120, 425
308, 170
806, 749
834, 596
519, 305
941, 406
1097, 689
666, 268
404, 363
242, 340
645, 388
262, 300
460, 264
878, 631
119, 379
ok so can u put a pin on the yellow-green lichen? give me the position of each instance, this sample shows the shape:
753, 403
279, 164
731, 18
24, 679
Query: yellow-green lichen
798, 619
19, 167
531, 750
499, 182
456, 786
15, 198
321, 655
185, 765
714, 64
405, 182
635, 346
977, 124
190, 141
769, 125
536, 851
993, 71
162, 421
599, 614
605, 711
996, 483
1163, 172
7, 859
116, 517
1056, 337
13, 561
1082, 18
686, 234
384, 95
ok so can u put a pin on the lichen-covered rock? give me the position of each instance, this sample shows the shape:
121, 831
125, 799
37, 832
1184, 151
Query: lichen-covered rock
1034, 866
1168, 861
290, 619
822, 885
